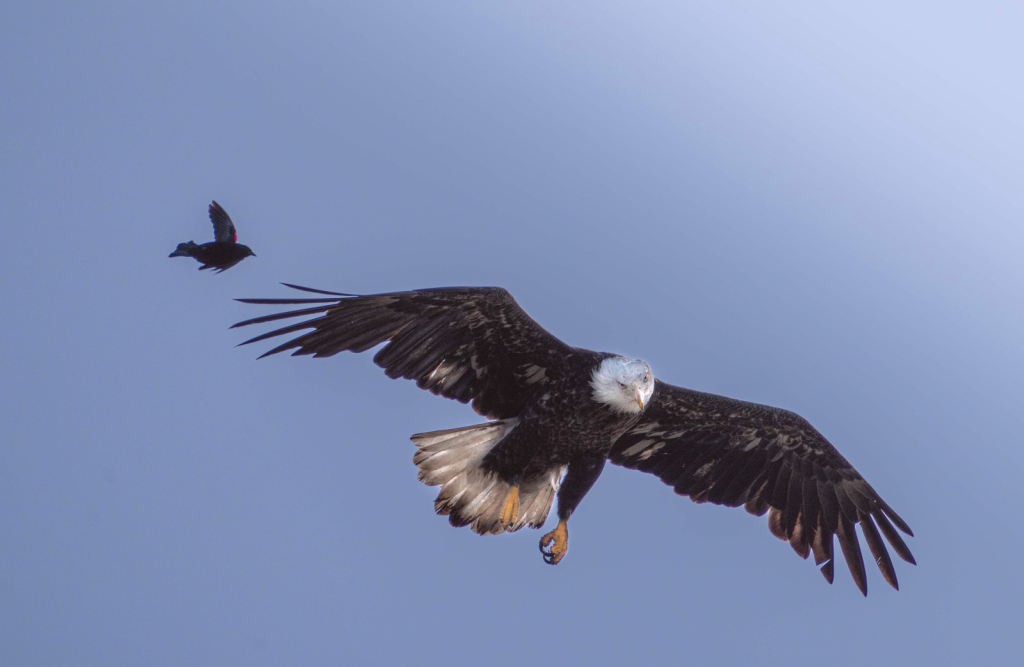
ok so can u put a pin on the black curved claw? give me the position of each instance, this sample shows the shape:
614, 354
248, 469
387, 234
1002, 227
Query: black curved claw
549, 544
548, 554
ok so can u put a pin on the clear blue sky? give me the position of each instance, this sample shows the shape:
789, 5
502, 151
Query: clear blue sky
812, 205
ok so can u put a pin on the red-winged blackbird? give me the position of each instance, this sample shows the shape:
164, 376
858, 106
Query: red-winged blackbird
224, 252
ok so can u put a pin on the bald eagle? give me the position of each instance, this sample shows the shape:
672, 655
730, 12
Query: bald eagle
557, 414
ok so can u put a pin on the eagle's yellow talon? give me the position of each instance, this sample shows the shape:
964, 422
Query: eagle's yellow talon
510, 513
555, 544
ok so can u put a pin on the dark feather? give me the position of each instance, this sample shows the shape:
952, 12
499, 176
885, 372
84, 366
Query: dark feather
799, 536
301, 326
811, 509
278, 302
223, 228
781, 492
878, 550
718, 472
771, 477
316, 291
900, 523
849, 510
776, 524
894, 539
794, 501
735, 493
847, 535
855, 491
757, 505
822, 552
829, 504
828, 569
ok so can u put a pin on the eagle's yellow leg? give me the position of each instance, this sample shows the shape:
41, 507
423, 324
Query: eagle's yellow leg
510, 513
556, 543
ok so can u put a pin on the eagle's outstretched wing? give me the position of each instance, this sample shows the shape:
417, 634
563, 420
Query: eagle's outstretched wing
223, 228
729, 452
468, 343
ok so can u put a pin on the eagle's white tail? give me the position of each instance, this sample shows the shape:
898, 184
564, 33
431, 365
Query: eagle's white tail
470, 495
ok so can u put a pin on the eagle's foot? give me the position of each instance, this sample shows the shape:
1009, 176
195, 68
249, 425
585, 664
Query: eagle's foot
510, 513
555, 544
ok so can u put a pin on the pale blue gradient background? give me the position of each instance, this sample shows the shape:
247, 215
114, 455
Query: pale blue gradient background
804, 204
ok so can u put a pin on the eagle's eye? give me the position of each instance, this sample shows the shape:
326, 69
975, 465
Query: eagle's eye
622, 385
647, 376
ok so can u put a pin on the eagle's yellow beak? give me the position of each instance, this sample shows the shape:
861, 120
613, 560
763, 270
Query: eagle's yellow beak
639, 398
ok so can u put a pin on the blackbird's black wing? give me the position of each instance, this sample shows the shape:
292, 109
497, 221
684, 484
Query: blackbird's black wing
729, 452
467, 343
223, 228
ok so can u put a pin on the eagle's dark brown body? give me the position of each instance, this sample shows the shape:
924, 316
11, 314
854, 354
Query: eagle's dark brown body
561, 424
563, 427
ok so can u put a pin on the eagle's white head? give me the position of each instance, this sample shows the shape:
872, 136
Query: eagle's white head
624, 385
